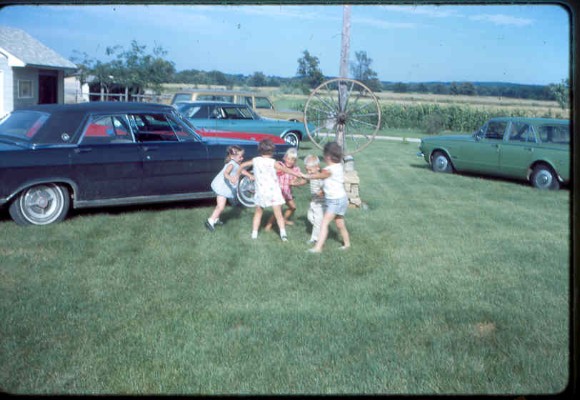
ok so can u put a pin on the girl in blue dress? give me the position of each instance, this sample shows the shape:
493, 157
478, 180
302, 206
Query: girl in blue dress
225, 184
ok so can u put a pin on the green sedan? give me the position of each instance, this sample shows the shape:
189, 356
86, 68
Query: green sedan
532, 149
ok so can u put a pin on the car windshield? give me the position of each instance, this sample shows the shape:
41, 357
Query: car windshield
22, 125
189, 127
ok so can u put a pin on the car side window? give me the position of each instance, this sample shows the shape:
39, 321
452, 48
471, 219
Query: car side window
215, 113
495, 130
197, 112
559, 134
520, 132
248, 101
152, 128
264, 103
236, 113
106, 129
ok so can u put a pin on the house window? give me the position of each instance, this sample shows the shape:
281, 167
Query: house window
24, 89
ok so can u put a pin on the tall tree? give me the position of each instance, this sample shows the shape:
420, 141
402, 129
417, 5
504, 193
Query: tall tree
561, 93
257, 79
309, 70
136, 69
361, 71
467, 88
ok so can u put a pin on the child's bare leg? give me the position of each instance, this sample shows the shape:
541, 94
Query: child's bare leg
280, 220
326, 219
290, 211
221, 205
256, 221
341, 226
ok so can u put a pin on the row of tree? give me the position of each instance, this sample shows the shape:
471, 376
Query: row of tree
135, 69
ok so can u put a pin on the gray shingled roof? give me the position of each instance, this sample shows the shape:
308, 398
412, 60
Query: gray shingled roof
30, 51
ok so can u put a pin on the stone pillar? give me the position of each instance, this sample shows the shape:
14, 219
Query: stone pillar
351, 183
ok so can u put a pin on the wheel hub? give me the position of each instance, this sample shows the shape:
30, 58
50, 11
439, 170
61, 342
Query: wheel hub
42, 201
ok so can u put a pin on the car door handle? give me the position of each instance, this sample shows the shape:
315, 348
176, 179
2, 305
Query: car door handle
150, 148
83, 149
530, 149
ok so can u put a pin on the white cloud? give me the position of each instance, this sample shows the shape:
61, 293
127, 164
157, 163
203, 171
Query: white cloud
502, 19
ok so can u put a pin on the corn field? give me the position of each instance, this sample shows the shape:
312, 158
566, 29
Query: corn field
459, 118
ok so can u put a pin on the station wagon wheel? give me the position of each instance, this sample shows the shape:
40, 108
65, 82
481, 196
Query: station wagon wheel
544, 178
440, 162
246, 191
40, 205
342, 108
292, 139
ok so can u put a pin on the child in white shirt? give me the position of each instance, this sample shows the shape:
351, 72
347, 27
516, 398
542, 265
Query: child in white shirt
335, 198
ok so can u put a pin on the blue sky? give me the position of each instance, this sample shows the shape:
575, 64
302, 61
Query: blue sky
527, 44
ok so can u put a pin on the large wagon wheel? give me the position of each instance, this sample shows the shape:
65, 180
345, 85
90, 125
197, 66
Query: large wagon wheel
342, 110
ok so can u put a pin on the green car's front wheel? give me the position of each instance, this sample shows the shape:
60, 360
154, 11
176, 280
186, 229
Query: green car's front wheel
544, 178
440, 162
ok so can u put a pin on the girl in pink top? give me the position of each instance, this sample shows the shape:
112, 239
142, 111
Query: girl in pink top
286, 182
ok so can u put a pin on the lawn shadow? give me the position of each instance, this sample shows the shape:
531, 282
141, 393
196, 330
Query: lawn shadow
231, 213
489, 177
137, 208
4, 215
332, 231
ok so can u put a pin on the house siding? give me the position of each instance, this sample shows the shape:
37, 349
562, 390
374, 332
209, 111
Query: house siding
25, 74
7, 86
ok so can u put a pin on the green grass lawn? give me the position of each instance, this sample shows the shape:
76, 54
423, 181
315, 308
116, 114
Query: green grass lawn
454, 285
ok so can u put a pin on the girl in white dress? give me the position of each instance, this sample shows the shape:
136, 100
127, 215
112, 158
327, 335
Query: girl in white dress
225, 184
268, 192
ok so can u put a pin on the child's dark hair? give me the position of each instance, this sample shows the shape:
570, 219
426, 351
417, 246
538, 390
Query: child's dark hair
266, 147
334, 151
232, 151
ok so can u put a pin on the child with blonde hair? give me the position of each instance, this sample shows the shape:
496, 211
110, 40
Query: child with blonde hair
287, 181
316, 208
268, 192
225, 184
335, 198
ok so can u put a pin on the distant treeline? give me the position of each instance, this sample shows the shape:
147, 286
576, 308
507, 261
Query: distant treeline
497, 89
289, 85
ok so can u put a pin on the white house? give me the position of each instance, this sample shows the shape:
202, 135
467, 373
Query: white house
30, 72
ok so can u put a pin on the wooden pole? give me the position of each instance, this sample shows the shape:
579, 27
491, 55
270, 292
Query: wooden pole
342, 90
